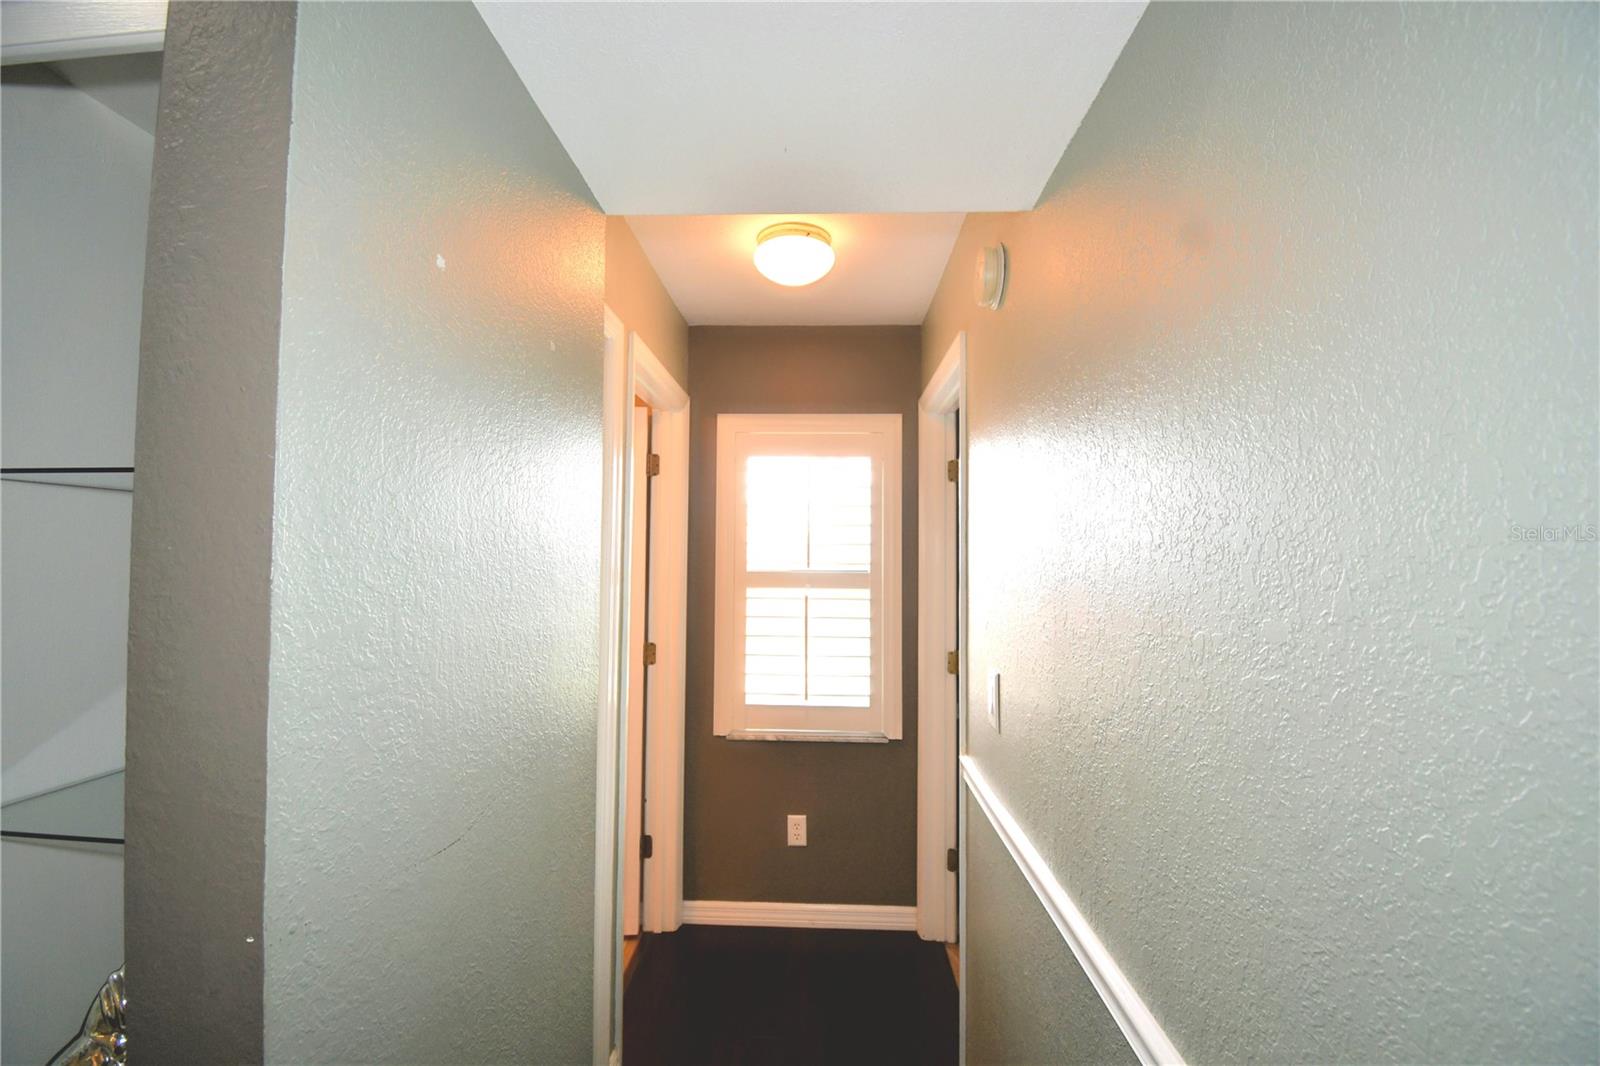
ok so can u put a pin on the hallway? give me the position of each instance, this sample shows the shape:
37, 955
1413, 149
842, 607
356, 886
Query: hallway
798, 488
725, 994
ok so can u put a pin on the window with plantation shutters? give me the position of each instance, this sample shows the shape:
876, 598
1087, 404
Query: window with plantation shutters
808, 569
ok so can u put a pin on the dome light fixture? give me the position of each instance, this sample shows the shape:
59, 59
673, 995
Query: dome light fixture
989, 282
794, 253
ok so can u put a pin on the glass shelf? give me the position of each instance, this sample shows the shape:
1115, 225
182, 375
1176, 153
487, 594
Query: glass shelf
88, 811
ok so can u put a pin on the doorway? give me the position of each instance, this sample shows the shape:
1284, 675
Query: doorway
941, 643
639, 779
636, 844
639, 830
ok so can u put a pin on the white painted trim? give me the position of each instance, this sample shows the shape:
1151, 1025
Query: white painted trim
633, 721
1145, 1035
741, 435
938, 609
630, 369
799, 915
45, 31
616, 423
652, 381
947, 387
668, 626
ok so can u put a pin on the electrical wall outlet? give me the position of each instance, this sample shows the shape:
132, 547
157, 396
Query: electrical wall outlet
994, 700
797, 830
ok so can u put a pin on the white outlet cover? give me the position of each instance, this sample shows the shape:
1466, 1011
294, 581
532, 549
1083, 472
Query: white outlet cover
797, 831
994, 700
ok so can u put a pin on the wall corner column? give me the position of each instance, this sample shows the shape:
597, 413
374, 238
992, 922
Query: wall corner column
200, 590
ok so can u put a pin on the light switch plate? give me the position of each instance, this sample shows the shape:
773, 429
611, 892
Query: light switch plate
797, 830
994, 700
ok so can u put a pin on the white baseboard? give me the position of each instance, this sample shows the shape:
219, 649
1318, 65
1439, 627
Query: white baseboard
1145, 1035
798, 915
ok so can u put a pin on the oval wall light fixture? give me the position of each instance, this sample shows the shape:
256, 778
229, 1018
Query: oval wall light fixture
794, 253
989, 281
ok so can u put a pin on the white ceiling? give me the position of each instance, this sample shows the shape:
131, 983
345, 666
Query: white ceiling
694, 109
886, 270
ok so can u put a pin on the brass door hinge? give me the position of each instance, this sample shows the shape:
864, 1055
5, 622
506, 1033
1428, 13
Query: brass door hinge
653, 466
950, 863
649, 653
951, 467
952, 662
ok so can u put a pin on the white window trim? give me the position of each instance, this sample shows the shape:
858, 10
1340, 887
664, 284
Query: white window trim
736, 439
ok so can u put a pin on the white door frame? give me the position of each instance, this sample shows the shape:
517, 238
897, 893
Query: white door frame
941, 607
632, 369
668, 627
638, 600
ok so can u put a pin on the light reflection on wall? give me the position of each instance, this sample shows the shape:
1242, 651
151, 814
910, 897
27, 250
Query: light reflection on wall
508, 253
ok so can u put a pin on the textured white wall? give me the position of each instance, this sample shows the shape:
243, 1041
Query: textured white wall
435, 570
74, 194
1301, 332
76, 177
62, 915
1015, 956
64, 631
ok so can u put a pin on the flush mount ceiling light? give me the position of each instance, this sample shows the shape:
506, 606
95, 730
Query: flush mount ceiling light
794, 253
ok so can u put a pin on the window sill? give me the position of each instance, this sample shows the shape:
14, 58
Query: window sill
815, 736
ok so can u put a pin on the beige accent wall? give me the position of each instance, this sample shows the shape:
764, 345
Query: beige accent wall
1283, 496
635, 293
